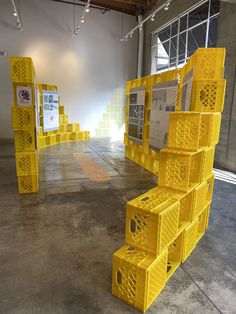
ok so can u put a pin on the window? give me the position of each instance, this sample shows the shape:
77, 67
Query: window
173, 44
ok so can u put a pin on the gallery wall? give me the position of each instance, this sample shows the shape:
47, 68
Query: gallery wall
88, 69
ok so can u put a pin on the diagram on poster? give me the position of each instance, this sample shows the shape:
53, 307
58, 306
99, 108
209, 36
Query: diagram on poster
136, 113
187, 91
50, 111
24, 95
163, 102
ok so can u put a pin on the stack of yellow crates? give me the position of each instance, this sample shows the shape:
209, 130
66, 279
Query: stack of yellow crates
24, 123
67, 131
164, 225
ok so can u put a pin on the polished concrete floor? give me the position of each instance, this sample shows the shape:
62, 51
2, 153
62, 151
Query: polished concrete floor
56, 246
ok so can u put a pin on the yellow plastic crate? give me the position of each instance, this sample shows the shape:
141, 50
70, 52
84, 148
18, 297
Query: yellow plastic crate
65, 137
184, 130
26, 164
61, 109
40, 131
209, 129
24, 140
193, 130
210, 187
71, 127
125, 138
152, 221
41, 141
208, 95
152, 164
199, 199
174, 255
44, 86
22, 70
63, 118
147, 115
28, 184
74, 136
23, 118
48, 140
207, 163
138, 278
53, 139
63, 128
203, 222
58, 137
87, 135
208, 63
179, 169
190, 239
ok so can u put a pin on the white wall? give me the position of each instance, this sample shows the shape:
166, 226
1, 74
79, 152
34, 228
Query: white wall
86, 69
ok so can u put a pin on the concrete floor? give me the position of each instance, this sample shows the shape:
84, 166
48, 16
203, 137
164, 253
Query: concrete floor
56, 246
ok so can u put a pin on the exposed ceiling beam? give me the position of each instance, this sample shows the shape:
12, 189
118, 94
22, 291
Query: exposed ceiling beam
124, 7
142, 3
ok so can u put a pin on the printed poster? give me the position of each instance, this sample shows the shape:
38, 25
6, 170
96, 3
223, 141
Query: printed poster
24, 95
136, 113
50, 111
187, 91
164, 97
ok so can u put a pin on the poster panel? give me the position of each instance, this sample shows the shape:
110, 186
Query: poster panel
23, 95
187, 91
164, 97
50, 111
136, 113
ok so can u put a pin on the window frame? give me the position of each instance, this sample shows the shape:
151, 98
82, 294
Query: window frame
154, 34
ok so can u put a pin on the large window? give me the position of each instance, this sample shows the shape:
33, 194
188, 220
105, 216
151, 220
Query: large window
174, 43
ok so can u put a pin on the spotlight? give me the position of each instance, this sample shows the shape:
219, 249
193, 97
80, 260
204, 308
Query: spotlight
82, 20
87, 10
131, 35
141, 27
126, 38
15, 13
153, 18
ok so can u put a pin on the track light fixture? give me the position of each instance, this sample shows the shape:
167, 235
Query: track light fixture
82, 20
151, 17
17, 15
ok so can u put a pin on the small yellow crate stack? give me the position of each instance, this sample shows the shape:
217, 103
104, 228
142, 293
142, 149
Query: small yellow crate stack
24, 123
164, 225
67, 131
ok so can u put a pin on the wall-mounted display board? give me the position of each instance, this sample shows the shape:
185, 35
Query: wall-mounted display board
187, 91
163, 102
136, 113
50, 111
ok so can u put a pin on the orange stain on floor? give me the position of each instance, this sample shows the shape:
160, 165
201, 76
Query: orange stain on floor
91, 168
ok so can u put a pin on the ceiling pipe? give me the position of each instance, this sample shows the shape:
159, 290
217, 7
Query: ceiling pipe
140, 43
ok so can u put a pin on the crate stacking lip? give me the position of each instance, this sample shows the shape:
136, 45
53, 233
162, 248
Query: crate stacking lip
23, 118
138, 277
26, 163
152, 221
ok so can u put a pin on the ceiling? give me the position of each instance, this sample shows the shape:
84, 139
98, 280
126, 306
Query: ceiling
126, 6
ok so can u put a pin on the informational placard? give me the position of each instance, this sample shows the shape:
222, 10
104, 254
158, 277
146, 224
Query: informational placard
50, 111
164, 97
23, 95
187, 91
136, 113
